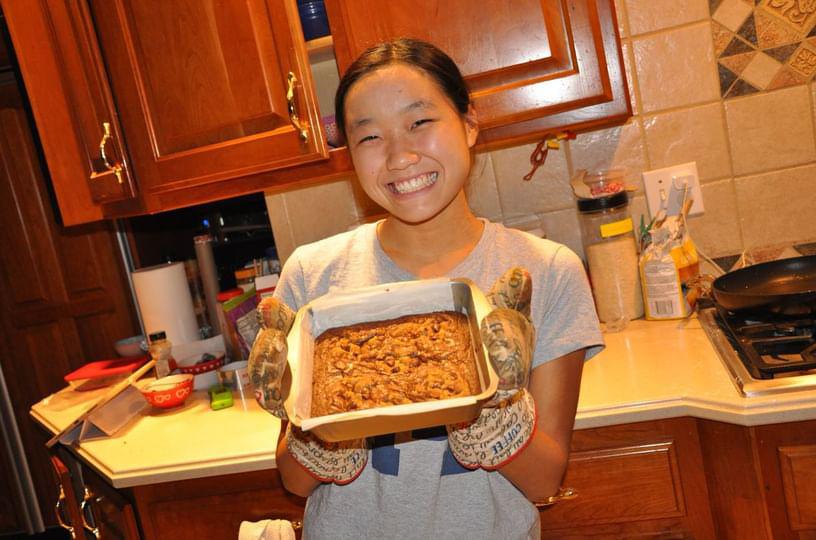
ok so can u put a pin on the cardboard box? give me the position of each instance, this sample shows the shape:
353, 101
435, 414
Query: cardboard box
384, 302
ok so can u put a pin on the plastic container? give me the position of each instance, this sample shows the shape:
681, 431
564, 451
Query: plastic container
608, 238
313, 19
605, 183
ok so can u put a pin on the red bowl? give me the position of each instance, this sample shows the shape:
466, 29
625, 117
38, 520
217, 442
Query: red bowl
189, 365
168, 392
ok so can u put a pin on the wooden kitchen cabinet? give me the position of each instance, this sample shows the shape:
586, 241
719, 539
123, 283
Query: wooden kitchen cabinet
634, 480
196, 93
533, 66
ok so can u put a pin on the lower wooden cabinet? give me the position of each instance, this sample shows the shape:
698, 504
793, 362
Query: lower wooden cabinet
677, 478
635, 480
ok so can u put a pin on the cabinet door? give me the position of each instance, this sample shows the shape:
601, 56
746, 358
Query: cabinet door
209, 90
213, 507
787, 456
72, 105
106, 513
635, 480
533, 66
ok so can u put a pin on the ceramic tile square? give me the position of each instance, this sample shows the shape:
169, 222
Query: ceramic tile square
770, 130
695, 134
316, 212
760, 71
651, 15
676, 68
562, 226
628, 63
481, 189
279, 221
717, 231
620, 147
548, 190
777, 207
732, 13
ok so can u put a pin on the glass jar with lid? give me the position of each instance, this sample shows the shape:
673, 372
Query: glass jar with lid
607, 233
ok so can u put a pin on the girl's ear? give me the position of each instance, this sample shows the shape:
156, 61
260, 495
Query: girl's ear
471, 126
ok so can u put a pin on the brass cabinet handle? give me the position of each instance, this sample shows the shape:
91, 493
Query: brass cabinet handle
58, 512
297, 525
86, 503
562, 495
115, 168
293, 116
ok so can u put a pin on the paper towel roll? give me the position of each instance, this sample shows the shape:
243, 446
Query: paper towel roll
165, 302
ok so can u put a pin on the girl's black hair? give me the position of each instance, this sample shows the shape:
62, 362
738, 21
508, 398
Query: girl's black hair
412, 52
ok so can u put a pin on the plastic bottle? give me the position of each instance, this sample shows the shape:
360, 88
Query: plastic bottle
161, 350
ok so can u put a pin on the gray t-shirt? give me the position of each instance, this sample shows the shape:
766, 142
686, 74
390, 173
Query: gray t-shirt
412, 487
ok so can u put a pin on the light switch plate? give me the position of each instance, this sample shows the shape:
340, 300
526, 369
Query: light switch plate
667, 186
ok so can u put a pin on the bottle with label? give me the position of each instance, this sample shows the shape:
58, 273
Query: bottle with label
160, 350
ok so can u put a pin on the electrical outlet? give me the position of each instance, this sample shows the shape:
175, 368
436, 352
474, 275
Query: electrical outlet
666, 188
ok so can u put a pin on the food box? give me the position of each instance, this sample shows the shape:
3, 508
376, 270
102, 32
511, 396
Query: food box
384, 302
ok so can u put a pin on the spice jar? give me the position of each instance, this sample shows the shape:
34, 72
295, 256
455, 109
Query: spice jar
160, 350
611, 252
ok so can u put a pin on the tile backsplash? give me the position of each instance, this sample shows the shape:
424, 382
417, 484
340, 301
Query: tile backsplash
725, 83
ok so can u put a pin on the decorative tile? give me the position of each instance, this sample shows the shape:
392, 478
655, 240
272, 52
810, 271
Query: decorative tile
732, 13
772, 45
737, 62
748, 30
782, 53
722, 37
799, 14
737, 46
761, 71
804, 60
772, 32
741, 88
786, 77
727, 78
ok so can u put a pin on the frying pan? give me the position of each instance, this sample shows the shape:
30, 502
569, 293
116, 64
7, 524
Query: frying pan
772, 285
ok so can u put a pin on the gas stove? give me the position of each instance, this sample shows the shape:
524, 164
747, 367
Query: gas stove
766, 353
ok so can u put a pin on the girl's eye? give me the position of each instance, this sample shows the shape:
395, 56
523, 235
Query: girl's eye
420, 122
367, 138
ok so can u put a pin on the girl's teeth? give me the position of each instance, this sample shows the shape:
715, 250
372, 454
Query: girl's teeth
415, 184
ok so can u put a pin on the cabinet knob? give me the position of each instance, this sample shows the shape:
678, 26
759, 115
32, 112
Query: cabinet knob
115, 168
85, 507
58, 512
302, 127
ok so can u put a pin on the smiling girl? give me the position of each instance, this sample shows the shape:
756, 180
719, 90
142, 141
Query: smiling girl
410, 127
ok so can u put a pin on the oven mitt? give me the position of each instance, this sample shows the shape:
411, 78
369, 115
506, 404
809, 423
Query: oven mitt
328, 462
337, 462
267, 359
507, 422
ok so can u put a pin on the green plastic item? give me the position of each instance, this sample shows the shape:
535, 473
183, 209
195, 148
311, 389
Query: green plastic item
220, 397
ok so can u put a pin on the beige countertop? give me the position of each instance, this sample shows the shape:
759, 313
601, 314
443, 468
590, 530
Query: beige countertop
652, 370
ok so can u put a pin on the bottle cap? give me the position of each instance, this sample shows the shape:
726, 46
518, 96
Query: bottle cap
603, 203
157, 336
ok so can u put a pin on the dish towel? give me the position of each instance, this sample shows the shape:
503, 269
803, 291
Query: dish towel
266, 529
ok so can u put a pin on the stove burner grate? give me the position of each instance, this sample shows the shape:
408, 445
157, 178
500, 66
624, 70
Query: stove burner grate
771, 345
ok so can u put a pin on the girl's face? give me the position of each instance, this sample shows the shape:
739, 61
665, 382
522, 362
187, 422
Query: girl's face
409, 144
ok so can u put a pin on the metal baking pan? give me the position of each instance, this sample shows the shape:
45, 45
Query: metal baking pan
384, 302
